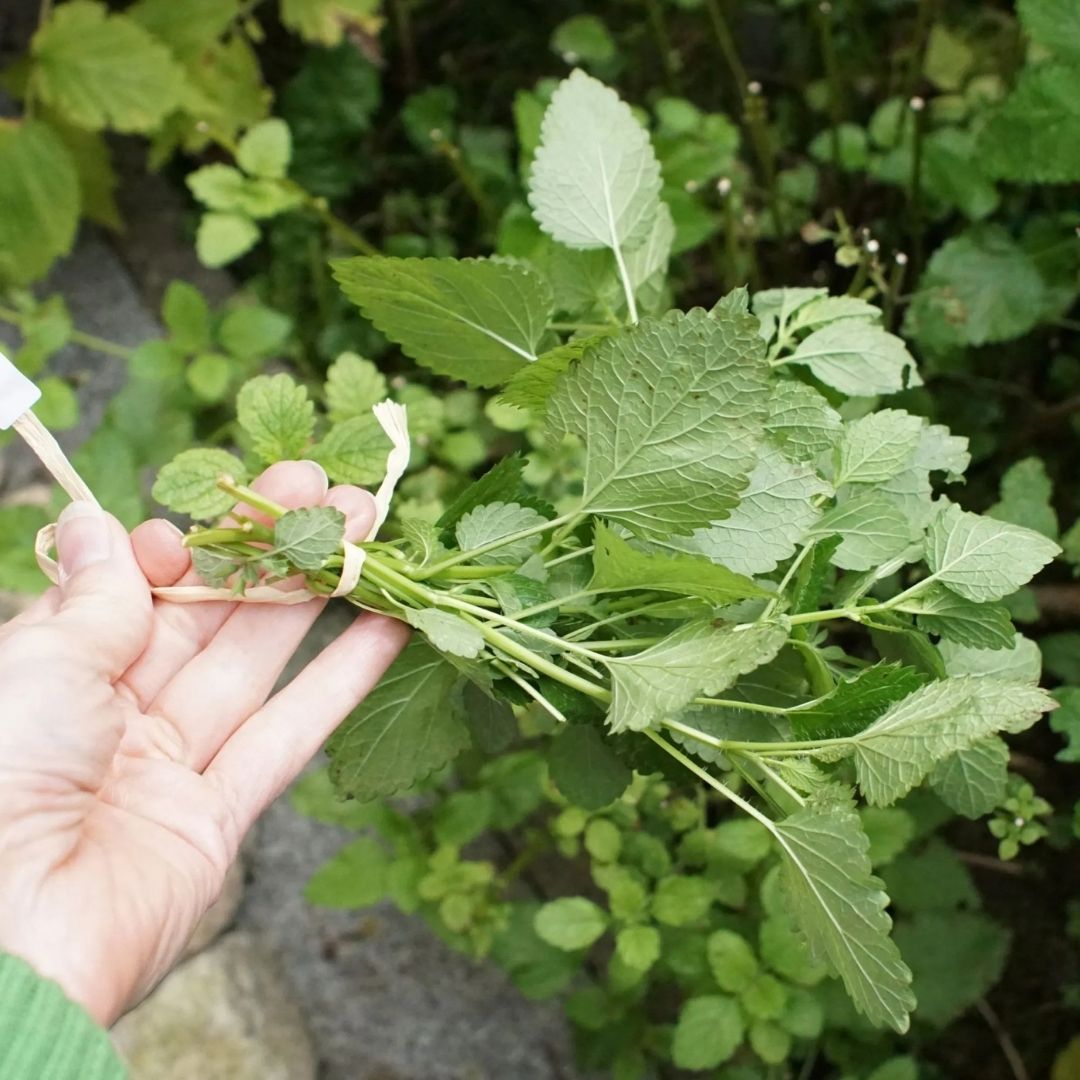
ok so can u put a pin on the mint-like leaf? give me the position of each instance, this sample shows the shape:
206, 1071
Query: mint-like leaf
585, 769
276, 414
973, 781
857, 358
496, 521
189, 483
309, 537
446, 631
354, 451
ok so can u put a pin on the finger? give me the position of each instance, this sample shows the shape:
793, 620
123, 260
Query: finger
41, 609
159, 549
288, 731
237, 671
181, 631
105, 613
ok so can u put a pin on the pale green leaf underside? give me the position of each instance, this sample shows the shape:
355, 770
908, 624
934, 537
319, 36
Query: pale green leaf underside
698, 658
595, 180
873, 529
896, 752
670, 413
840, 907
479, 320
446, 631
857, 358
801, 421
981, 558
494, 521
310, 536
877, 447
972, 781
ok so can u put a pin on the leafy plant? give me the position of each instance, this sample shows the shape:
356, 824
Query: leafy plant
618, 609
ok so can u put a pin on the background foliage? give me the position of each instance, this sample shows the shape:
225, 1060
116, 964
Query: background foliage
918, 155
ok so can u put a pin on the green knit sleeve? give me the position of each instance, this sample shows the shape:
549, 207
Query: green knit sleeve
44, 1035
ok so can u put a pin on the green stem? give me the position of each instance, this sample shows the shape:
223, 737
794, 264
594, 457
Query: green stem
663, 43
452, 153
242, 493
779, 781
531, 690
75, 337
726, 40
570, 555
206, 537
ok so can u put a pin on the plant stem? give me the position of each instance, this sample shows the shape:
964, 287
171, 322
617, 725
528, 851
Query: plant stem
535, 694
75, 337
779, 781
823, 19
570, 555
726, 40
663, 43
452, 153
251, 498
628, 288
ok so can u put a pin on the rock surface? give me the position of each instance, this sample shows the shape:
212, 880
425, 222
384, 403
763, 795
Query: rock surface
226, 1014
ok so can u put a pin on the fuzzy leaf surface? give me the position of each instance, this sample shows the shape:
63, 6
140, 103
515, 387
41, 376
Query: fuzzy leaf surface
188, 484
309, 537
492, 522
973, 781
277, 415
857, 358
670, 412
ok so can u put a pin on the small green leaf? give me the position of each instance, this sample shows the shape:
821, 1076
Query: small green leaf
187, 316
308, 538
855, 703
732, 961
709, 1031
583, 39
857, 358
1026, 498
571, 923
326, 22
473, 319
188, 484
404, 730
595, 181
682, 900
221, 238
277, 417
618, 565
698, 658
873, 529
502, 483
585, 769
801, 421
265, 149
942, 612
353, 386
877, 447
638, 947
446, 631
531, 386
840, 907
972, 782
494, 522
98, 70
209, 375
889, 830
254, 332
356, 877
58, 406
354, 451
1053, 24
983, 559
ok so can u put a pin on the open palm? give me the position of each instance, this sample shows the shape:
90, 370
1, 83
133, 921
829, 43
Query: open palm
137, 744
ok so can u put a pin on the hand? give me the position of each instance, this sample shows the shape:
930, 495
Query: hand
137, 745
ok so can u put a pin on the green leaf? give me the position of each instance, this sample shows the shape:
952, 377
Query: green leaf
670, 413
356, 877
537, 969
889, 831
801, 421
353, 386
956, 959
618, 565
571, 923
1021, 661
786, 952
983, 559
478, 320
583, 38
58, 406
1053, 24
43, 1033
100, 70
265, 149
19, 570
494, 522
584, 768
1026, 498
978, 288
857, 358
405, 729
209, 375
895, 752
221, 238
972, 782
276, 414
595, 181
698, 658
709, 1031
188, 484
326, 22
354, 451
1065, 721
308, 538
933, 879
731, 960
221, 187
502, 483
531, 386
840, 907
254, 332
873, 530
187, 316
39, 191
638, 947
855, 703
446, 631
877, 447
186, 29
941, 611
680, 900
775, 511
1034, 136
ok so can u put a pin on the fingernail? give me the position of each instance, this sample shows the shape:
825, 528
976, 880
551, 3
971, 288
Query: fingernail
320, 472
178, 531
82, 538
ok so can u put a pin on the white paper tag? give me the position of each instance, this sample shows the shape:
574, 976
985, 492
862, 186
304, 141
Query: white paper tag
17, 393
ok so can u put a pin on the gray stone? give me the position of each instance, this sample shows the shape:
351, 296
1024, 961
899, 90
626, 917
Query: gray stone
224, 1015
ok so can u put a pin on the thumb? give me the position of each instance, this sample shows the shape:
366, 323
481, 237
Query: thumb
105, 603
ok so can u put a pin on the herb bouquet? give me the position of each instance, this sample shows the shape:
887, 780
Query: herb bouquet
739, 570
